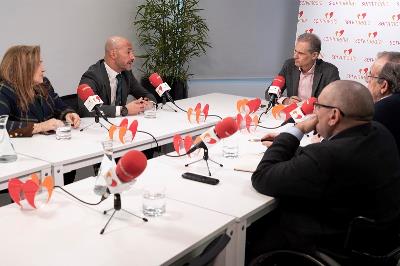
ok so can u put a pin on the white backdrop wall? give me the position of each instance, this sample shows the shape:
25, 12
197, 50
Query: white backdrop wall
250, 39
71, 33
352, 32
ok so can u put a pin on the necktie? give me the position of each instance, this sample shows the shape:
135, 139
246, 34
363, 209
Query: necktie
118, 97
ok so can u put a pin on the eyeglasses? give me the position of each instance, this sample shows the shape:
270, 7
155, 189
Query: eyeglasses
369, 77
319, 105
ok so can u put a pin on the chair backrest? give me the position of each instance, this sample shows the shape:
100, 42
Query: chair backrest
211, 251
373, 243
286, 258
71, 100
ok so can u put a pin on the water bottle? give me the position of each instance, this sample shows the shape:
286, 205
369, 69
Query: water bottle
108, 162
7, 152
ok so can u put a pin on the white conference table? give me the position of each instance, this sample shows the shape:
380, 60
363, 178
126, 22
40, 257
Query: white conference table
66, 232
234, 195
22, 168
84, 148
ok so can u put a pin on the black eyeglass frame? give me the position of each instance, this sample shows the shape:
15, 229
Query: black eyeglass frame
317, 104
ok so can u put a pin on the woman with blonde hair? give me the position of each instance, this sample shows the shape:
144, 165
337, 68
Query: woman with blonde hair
28, 97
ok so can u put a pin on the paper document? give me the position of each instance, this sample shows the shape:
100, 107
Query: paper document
248, 162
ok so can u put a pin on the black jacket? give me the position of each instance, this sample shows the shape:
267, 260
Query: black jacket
387, 112
96, 77
322, 186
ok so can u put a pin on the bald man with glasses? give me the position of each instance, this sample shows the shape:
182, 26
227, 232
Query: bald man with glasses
322, 186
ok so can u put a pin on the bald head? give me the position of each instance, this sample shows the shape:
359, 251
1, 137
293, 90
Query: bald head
115, 42
353, 99
119, 53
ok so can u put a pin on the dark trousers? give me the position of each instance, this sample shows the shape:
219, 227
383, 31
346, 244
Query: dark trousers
264, 235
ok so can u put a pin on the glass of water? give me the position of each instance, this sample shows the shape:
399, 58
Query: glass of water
150, 110
64, 131
154, 200
230, 147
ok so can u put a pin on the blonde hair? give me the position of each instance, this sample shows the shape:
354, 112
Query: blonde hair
17, 69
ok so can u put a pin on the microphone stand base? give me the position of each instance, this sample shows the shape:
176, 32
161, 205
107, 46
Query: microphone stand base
169, 107
96, 121
117, 207
206, 158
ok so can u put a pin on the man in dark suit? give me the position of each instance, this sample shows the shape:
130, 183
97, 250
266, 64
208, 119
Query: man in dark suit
111, 78
305, 74
322, 186
384, 85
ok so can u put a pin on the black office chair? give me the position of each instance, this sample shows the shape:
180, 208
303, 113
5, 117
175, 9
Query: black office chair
366, 244
211, 251
71, 100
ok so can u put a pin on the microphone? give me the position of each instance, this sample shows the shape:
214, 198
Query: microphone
122, 176
275, 89
298, 114
223, 129
160, 86
91, 101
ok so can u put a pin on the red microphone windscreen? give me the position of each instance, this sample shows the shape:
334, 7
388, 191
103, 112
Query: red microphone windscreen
131, 165
278, 81
84, 91
155, 80
226, 127
308, 106
288, 109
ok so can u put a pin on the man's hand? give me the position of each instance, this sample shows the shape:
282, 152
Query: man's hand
135, 107
74, 119
268, 139
308, 125
292, 99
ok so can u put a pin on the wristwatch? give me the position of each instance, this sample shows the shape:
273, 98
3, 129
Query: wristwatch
124, 111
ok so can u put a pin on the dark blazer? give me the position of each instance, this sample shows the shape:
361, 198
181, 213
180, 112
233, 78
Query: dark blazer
21, 124
387, 112
322, 186
324, 74
96, 77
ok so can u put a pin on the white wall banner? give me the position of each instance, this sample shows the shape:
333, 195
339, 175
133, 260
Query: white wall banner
352, 32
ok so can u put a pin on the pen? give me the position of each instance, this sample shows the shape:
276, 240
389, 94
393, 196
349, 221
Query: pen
262, 139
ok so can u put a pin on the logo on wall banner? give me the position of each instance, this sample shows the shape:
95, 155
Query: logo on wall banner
368, 59
337, 37
342, 3
301, 17
361, 20
372, 39
394, 42
360, 75
328, 19
346, 56
375, 3
393, 21
311, 3
310, 30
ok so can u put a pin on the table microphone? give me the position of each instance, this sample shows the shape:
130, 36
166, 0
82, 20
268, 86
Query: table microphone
90, 100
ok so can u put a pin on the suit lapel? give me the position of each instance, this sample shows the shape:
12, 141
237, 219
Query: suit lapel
316, 80
106, 82
296, 79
